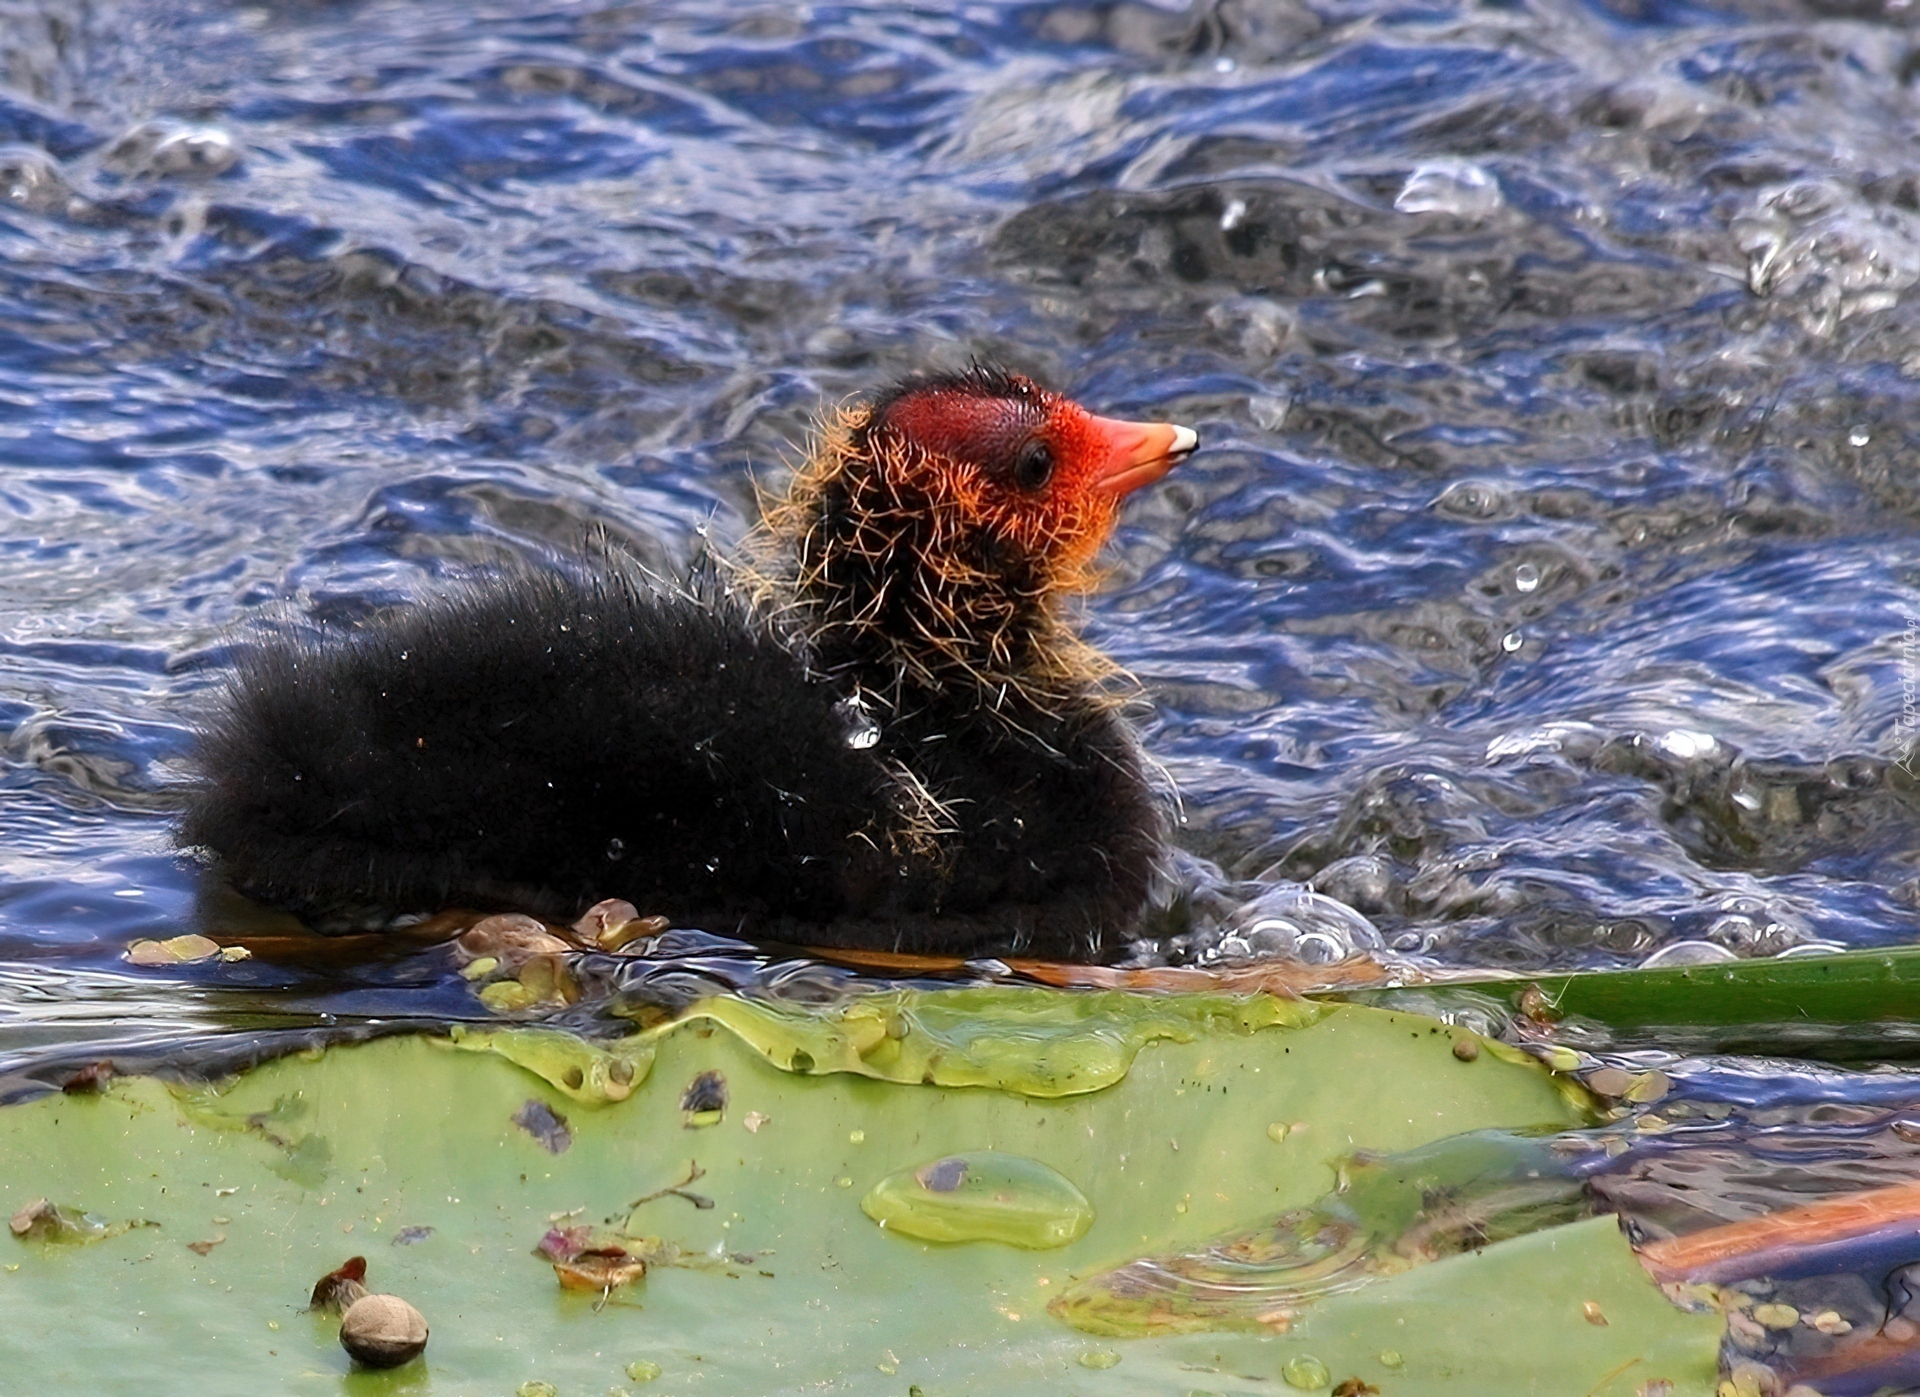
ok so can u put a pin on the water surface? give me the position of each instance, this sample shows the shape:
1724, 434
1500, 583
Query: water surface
1544, 591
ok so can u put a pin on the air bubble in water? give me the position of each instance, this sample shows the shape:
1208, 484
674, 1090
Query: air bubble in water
1511, 642
1688, 953
1859, 436
982, 1196
1457, 187
1526, 577
1290, 922
1307, 1373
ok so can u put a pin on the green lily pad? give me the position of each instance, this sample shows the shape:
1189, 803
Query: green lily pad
783, 1285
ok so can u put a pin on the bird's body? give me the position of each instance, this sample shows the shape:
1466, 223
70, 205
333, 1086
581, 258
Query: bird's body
882, 734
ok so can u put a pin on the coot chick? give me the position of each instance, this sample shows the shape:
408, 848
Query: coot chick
879, 731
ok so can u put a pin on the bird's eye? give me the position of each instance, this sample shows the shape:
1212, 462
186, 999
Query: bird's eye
1033, 467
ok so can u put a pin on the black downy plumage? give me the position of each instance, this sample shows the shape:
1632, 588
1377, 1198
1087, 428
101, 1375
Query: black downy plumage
880, 732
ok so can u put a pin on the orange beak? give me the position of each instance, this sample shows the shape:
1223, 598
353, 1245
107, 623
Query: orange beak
1137, 453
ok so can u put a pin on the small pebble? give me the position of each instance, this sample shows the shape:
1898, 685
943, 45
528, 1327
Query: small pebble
383, 1331
1776, 1316
1466, 1049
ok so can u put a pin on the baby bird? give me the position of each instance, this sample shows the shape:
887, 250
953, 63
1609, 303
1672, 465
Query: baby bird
879, 730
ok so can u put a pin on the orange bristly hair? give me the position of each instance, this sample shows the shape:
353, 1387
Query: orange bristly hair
904, 525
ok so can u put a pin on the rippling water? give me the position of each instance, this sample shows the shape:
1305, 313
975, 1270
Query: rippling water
1544, 587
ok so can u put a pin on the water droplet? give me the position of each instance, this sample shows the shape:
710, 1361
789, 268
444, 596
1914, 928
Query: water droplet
1688, 953
1688, 745
1307, 1373
1526, 577
1511, 641
1098, 1358
862, 731
1390, 1358
1269, 414
616, 850
981, 1196
1859, 436
1456, 187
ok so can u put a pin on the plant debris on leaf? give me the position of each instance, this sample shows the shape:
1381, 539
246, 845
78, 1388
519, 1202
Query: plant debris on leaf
545, 1125
341, 1286
586, 1258
43, 1221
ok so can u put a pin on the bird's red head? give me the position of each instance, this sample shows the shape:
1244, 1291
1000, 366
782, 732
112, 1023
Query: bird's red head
1025, 465
929, 535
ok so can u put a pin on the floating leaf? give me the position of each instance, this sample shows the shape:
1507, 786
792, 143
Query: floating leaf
783, 1285
177, 950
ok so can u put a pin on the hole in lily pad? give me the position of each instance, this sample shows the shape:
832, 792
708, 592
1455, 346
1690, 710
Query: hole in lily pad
982, 1196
